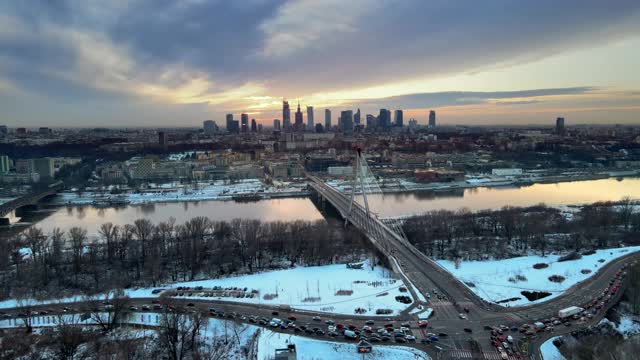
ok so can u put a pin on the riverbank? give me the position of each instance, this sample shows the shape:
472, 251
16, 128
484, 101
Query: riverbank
256, 189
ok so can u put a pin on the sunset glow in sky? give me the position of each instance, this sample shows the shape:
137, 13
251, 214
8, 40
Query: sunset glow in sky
177, 63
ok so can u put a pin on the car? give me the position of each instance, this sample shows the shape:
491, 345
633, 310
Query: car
319, 332
385, 338
155, 307
423, 323
275, 313
468, 330
405, 324
133, 308
292, 318
329, 322
425, 341
191, 304
308, 331
410, 338
462, 316
374, 339
514, 329
442, 334
145, 308
466, 309
434, 338
369, 322
316, 318
332, 333
401, 340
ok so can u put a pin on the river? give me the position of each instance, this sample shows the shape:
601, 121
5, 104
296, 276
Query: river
399, 204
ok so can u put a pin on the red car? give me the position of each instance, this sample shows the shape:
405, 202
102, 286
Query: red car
339, 326
423, 324
292, 318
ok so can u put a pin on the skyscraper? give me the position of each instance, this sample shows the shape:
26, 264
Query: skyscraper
371, 122
356, 119
254, 125
162, 138
346, 121
327, 119
560, 126
432, 119
229, 122
398, 121
276, 124
286, 115
384, 119
244, 122
310, 125
210, 127
299, 125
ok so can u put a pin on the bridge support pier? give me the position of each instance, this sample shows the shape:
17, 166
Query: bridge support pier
23, 210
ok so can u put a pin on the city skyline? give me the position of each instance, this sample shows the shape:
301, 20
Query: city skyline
84, 64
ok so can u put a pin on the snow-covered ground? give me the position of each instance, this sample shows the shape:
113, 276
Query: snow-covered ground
311, 349
550, 351
174, 191
306, 288
312, 288
491, 278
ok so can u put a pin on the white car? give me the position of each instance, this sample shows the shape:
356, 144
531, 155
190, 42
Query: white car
462, 316
331, 328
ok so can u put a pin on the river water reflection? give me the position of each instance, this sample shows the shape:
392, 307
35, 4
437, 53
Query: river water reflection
387, 205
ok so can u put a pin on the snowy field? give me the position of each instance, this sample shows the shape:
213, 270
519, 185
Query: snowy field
174, 191
550, 351
311, 349
306, 288
491, 278
312, 288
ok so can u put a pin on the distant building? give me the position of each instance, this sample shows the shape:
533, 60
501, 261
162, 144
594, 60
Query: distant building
5, 164
44, 167
310, 124
413, 124
299, 125
235, 126
286, 115
210, 127
327, 119
384, 119
21, 131
319, 128
398, 121
356, 119
162, 139
244, 123
371, 122
346, 121
276, 124
44, 130
4, 130
560, 126
432, 119
229, 122
254, 125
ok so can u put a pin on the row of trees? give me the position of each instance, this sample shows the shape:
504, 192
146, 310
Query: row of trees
145, 254
511, 230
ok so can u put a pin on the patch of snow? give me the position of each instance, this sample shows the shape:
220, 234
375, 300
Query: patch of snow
550, 351
491, 278
311, 288
311, 349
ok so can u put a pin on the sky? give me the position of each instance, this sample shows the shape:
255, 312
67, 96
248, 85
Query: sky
159, 63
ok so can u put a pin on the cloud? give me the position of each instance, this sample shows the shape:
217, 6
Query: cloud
459, 98
235, 55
